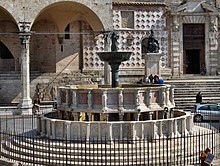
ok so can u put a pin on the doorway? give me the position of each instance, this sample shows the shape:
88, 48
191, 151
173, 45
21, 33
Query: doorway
193, 61
193, 48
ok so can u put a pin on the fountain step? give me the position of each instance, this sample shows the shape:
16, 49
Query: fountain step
26, 155
43, 151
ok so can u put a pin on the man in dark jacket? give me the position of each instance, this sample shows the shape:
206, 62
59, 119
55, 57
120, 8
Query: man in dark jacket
199, 97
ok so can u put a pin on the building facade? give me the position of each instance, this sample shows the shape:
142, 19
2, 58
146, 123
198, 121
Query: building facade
63, 36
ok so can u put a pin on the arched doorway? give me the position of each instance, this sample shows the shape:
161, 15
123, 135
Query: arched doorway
193, 48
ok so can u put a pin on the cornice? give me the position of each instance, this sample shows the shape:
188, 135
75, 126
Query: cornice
137, 3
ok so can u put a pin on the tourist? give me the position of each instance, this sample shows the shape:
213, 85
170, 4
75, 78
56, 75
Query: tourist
199, 97
203, 71
150, 78
156, 79
203, 157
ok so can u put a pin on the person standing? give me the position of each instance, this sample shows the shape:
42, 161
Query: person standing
199, 97
37, 105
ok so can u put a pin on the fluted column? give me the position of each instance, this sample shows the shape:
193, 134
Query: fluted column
25, 101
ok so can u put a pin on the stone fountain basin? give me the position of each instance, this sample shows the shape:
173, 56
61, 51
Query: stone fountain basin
126, 98
114, 57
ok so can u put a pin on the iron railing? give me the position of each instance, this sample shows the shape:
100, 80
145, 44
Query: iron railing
20, 142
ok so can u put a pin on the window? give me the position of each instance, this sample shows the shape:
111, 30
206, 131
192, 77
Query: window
214, 107
4, 52
206, 107
67, 32
127, 19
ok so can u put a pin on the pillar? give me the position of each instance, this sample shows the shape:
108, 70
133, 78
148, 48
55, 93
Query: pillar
172, 96
121, 100
90, 116
150, 115
121, 116
104, 101
89, 96
74, 100
107, 78
43, 126
168, 103
53, 129
25, 103
68, 130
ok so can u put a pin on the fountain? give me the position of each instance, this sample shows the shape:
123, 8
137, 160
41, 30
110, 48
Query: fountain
114, 59
129, 111
101, 125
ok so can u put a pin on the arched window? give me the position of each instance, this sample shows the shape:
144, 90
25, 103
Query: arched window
4, 52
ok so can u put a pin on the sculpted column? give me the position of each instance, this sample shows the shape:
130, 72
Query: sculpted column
25, 103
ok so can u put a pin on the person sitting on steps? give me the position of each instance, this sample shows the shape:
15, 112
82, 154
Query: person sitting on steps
203, 70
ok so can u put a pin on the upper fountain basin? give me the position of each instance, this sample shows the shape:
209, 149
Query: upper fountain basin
114, 57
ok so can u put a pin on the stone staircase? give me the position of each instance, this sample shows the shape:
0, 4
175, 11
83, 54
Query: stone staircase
187, 87
10, 83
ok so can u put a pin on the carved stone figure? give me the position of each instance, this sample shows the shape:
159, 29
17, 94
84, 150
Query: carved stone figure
153, 45
110, 41
114, 38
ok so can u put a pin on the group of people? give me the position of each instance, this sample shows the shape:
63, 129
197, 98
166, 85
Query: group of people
154, 79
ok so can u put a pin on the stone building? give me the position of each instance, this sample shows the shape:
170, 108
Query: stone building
48, 36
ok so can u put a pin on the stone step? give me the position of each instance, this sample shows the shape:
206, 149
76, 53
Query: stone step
63, 155
188, 96
186, 88
193, 77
